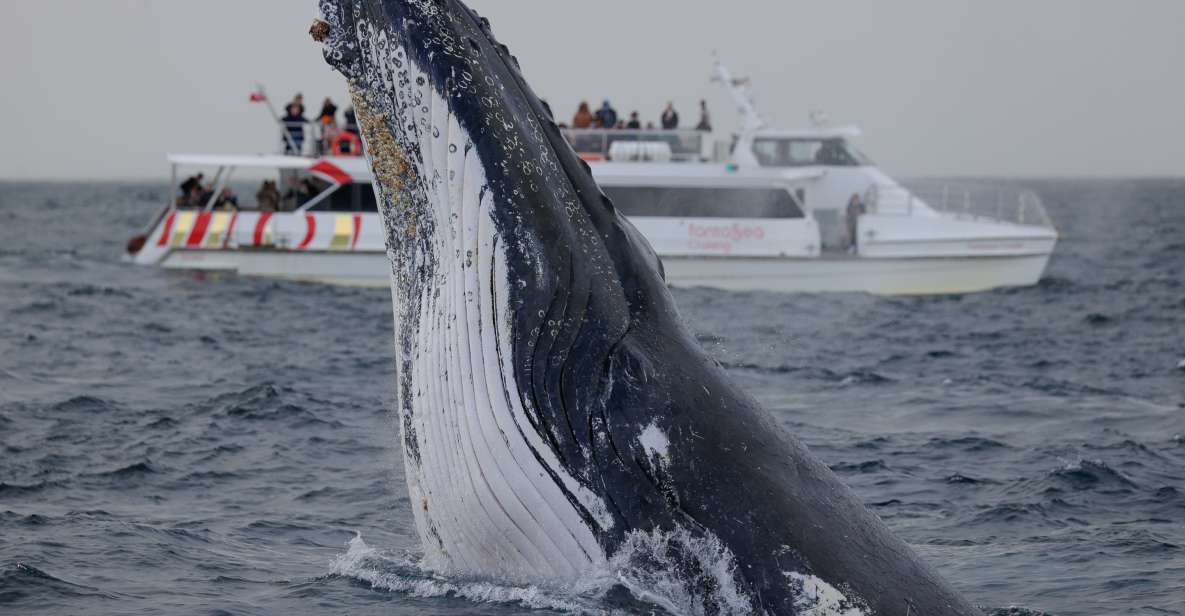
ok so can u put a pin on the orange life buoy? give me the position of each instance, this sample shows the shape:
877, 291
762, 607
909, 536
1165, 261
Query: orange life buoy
346, 144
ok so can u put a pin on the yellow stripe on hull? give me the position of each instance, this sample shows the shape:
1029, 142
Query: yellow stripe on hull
343, 233
182, 228
216, 236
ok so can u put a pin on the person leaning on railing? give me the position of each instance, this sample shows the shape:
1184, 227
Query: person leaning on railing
294, 122
670, 117
583, 118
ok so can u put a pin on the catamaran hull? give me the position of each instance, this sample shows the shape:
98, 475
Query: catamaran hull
917, 276
905, 276
348, 269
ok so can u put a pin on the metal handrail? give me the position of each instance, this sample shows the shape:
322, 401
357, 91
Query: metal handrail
968, 202
312, 141
686, 144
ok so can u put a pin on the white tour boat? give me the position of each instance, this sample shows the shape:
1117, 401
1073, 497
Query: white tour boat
788, 211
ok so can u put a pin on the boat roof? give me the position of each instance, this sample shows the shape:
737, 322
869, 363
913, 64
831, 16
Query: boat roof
706, 175
354, 165
826, 132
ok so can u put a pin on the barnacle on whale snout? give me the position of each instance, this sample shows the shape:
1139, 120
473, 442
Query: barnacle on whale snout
319, 30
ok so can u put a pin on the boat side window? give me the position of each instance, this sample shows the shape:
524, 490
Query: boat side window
704, 202
800, 152
356, 197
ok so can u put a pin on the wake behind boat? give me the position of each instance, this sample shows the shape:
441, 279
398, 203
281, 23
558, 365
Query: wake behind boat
775, 210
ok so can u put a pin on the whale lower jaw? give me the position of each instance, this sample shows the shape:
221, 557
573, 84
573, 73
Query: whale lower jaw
490, 498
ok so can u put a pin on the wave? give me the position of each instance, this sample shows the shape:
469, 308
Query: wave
961, 479
26, 584
83, 404
138, 469
9, 489
1090, 475
970, 444
98, 291
854, 377
860, 468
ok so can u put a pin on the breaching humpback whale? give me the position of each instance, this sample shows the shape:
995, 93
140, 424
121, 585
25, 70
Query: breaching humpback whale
557, 416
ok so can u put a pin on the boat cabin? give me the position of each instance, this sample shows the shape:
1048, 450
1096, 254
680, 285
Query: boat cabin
288, 184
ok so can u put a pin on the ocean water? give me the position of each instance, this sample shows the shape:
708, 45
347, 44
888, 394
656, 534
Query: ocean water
179, 444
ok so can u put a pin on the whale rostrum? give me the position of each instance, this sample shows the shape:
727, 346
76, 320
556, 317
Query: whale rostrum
558, 419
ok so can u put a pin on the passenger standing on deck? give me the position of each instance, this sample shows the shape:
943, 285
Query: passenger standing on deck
298, 100
635, 123
607, 115
328, 113
583, 118
191, 190
670, 117
856, 209
705, 119
294, 123
351, 121
327, 124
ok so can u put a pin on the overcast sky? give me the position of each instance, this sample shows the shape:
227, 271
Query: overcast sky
103, 88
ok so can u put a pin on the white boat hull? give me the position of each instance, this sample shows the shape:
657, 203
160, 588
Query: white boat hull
916, 276
881, 276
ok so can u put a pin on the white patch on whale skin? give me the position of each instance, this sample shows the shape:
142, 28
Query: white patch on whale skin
655, 443
818, 598
485, 502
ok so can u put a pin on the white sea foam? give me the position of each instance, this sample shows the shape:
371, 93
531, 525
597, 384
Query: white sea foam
645, 566
405, 575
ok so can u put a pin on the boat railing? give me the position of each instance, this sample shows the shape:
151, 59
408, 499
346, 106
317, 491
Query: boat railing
969, 202
310, 139
597, 143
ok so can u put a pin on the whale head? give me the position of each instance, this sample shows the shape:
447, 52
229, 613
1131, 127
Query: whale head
558, 418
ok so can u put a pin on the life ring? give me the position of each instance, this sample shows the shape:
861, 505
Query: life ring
346, 144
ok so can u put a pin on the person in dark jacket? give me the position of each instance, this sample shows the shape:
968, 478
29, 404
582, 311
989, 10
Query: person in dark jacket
635, 123
607, 115
192, 182
328, 113
670, 117
294, 123
227, 201
351, 121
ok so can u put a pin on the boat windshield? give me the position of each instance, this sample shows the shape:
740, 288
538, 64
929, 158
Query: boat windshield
804, 152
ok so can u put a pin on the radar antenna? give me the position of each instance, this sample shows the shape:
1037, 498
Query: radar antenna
741, 90
820, 119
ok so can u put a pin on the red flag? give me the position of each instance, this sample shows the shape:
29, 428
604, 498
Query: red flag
258, 96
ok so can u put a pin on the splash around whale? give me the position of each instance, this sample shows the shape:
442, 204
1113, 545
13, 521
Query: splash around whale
558, 419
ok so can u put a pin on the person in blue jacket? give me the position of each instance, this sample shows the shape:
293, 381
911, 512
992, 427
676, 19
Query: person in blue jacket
607, 115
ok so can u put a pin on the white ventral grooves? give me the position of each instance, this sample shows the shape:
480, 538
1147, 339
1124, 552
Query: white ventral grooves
489, 496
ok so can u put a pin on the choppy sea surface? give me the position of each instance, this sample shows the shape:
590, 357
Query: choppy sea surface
179, 444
